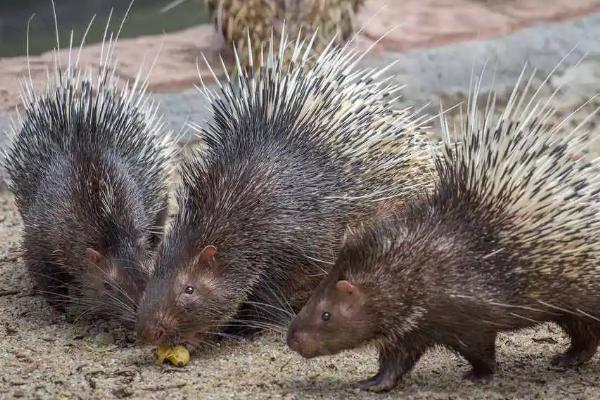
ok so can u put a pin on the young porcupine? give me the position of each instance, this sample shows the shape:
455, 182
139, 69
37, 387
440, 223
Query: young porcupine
89, 168
508, 239
292, 155
238, 19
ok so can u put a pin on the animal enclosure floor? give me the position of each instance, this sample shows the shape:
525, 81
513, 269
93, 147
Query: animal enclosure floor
44, 356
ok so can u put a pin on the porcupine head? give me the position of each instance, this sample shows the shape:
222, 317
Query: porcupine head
111, 281
340, 314
173, 309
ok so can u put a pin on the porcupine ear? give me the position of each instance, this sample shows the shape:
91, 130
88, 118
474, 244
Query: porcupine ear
93, 256
347, 288
207, 255
352, 297
205, 260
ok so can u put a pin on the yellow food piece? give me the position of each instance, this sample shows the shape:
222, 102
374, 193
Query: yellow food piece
176, 355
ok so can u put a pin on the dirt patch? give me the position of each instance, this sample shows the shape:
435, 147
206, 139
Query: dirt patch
42, 355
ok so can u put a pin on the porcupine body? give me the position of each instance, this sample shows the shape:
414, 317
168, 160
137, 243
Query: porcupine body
292, 156
237, 20
88, 166
508, 239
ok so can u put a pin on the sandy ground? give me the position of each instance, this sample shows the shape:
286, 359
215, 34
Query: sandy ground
42, 355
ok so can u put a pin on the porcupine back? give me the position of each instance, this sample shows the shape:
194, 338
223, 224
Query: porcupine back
529, 179
346, 113
78, 111
88, 166
291, 155
330, 119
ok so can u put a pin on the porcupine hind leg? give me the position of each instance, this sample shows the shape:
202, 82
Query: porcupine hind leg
395, 360
584, 336
480, 352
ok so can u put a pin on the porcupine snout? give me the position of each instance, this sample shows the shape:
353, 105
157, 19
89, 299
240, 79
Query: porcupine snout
155, 328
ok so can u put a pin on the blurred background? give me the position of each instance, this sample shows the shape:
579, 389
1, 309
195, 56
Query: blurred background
145, 18
436, 45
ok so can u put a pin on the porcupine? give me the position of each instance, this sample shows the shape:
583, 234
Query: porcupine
507, 239
237, 20
293, 155
88, 166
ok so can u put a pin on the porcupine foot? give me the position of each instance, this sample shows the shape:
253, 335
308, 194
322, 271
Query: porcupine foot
394, 363
480, 352
481, 372
380, 382
584, 342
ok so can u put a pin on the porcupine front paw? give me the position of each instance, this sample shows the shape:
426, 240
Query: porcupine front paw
379, 383
572, 358
479, 374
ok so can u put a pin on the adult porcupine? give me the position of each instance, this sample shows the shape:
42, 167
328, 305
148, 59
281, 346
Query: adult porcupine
88, 167
509, 238
292, 153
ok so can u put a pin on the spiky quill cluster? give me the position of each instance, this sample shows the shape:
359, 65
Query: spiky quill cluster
347, 113
515, 192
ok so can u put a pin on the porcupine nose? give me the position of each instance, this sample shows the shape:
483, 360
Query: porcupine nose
152, 332
292, 340
159, 333
295, 340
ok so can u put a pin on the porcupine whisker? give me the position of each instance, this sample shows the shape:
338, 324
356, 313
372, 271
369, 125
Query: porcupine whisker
277, 293
127, 309
67, 299
495, 303
317, 261
493, 253
266, 306
281, 299
171, 5
362, 197
556, 307
123, 306
196, 342
256, 324
587, 315
535, 321
227, 336
85, 313
55, 279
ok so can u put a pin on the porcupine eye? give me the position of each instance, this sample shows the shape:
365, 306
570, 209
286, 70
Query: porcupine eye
189, 290
326, 316
106, 286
